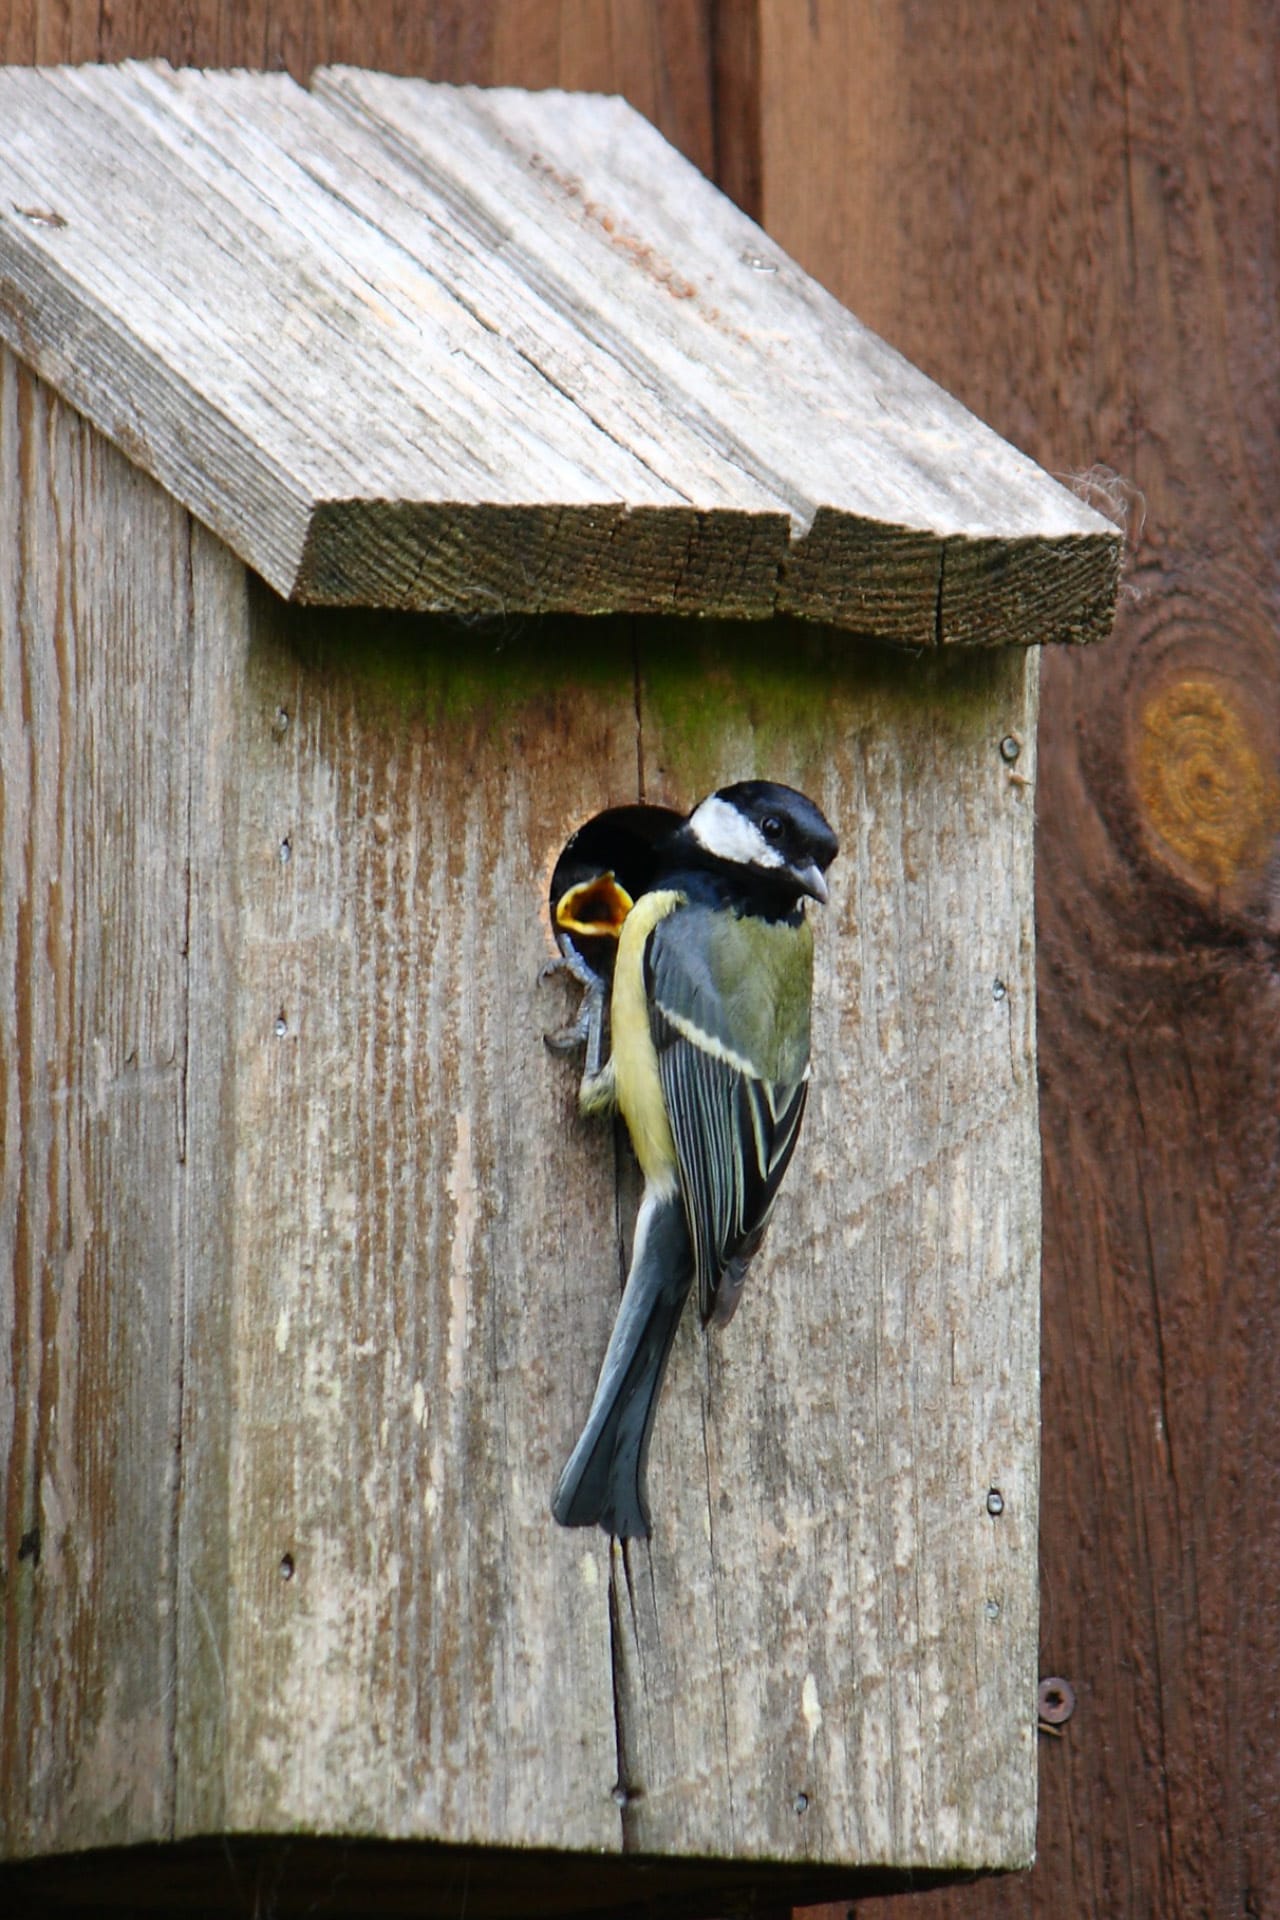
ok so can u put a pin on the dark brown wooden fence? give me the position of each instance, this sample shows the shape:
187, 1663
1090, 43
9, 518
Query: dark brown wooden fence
1066, 214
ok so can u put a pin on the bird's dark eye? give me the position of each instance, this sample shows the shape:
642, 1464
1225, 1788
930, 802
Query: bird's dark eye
771, 827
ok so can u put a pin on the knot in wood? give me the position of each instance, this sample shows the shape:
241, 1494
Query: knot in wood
1204, 783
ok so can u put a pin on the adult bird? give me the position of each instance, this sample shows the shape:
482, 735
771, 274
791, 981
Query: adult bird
709, 1016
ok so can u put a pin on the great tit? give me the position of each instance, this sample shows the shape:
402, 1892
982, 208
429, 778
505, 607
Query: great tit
709, 1069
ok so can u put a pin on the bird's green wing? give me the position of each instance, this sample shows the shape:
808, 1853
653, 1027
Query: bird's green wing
729, 1014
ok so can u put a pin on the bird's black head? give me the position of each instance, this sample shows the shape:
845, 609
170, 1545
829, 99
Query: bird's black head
770, 835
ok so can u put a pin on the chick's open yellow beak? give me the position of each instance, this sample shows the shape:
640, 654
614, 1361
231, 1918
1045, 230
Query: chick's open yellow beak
596, 908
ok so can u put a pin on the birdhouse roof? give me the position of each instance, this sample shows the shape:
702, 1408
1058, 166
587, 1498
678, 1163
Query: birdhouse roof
401, 344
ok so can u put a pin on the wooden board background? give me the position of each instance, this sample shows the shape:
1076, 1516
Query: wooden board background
351, 1245
93, 746
538, 413
1066, 217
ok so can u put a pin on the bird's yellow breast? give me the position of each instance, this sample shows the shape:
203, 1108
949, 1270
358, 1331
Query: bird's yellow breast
635, 1057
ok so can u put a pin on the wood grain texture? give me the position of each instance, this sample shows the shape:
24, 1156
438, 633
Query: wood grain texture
422, 1286
659, 57
1004, 267
441, 349
826, 1589
1110, 248
662, 57
455, 42
393, 1093
380, 1252
92, 1047
871, 466
205, 1571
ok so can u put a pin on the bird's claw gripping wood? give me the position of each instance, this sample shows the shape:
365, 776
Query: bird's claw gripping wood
587, 1029
570, 961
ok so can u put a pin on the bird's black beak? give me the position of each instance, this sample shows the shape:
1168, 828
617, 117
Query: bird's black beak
811, 881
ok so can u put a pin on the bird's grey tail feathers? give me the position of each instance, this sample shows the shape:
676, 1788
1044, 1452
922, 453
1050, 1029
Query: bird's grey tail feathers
604, 1480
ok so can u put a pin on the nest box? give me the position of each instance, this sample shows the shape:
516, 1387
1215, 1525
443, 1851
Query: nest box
393, 476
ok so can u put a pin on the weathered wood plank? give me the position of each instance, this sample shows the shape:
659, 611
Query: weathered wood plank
205, 1569
414, 1210
1129, 168
826, 1585
93, 927
826, 1591
379, 1254
424, 347
271, 313
660, 60
877, 466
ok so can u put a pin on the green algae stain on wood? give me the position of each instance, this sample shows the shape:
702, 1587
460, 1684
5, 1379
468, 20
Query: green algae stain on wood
474, 675
736, 700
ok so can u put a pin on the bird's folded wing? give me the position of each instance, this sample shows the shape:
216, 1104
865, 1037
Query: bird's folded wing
734, 1129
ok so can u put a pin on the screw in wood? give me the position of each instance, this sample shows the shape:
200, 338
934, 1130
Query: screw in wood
1056, 1701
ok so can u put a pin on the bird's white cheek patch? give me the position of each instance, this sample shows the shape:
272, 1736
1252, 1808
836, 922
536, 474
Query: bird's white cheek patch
724, 832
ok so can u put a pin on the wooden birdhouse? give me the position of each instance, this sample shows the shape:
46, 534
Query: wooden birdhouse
392, 477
